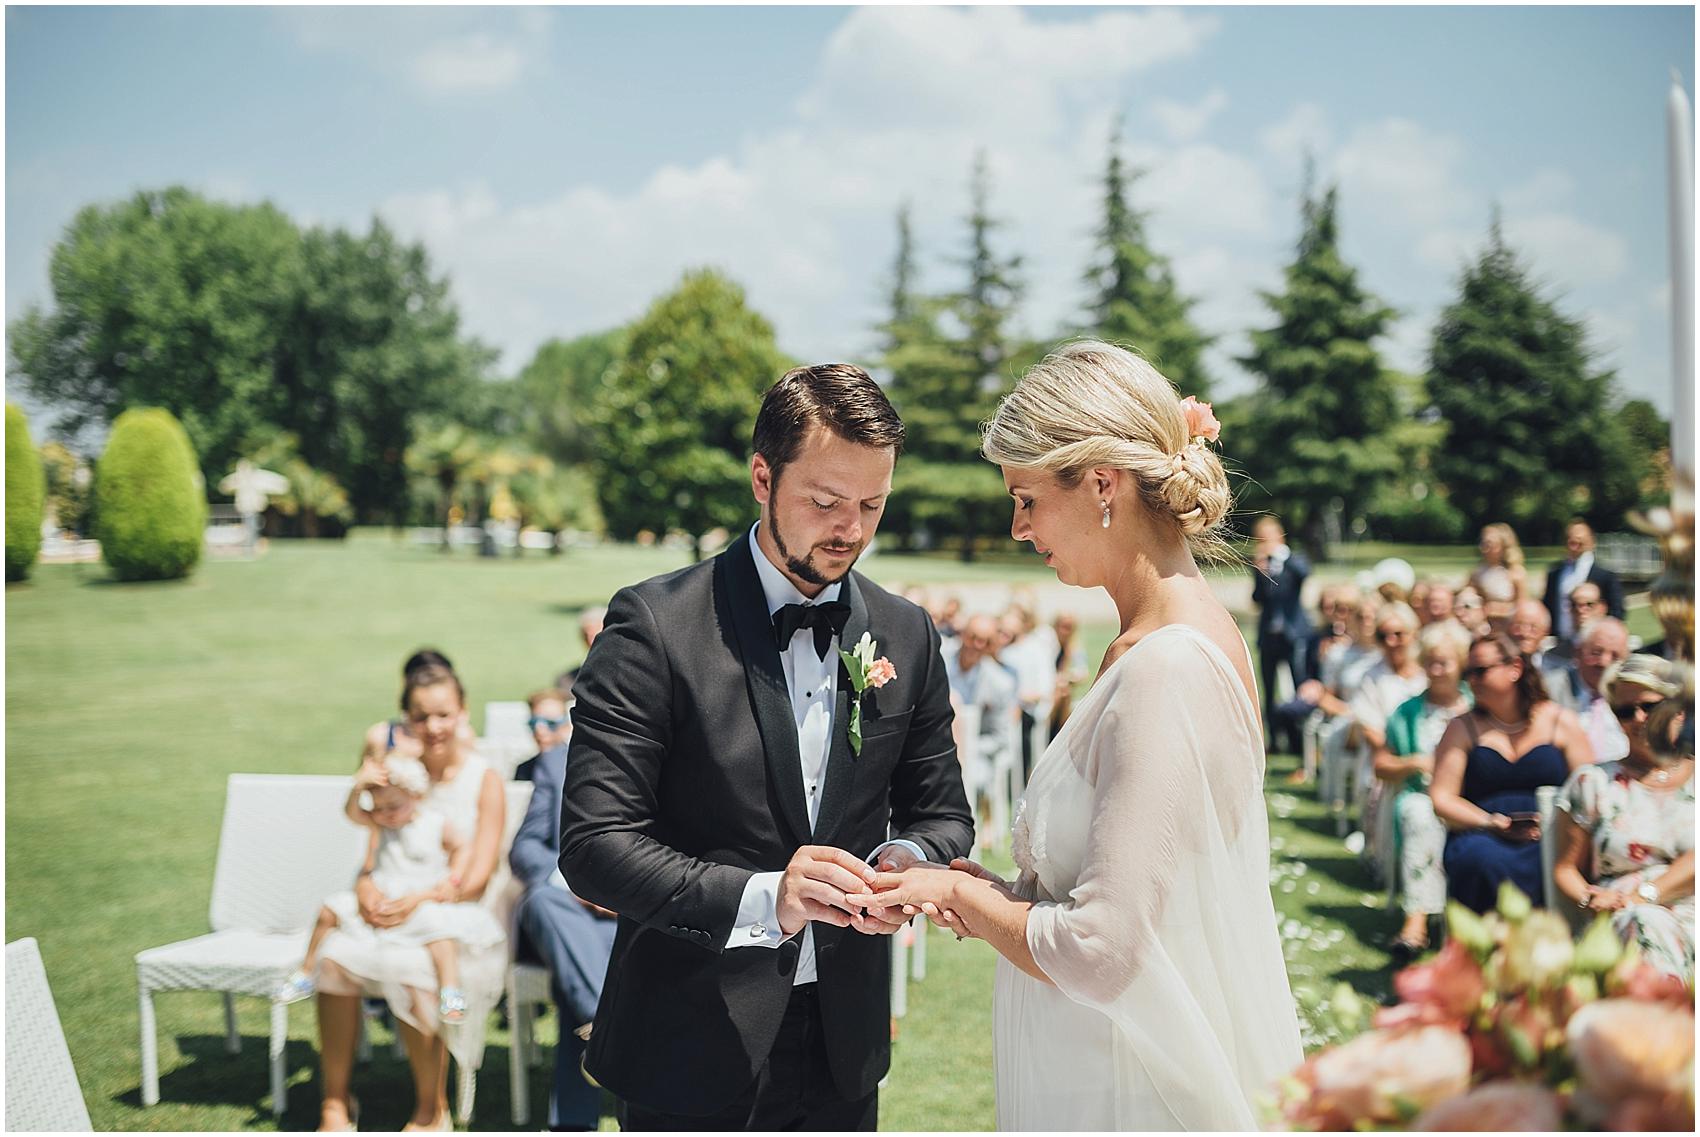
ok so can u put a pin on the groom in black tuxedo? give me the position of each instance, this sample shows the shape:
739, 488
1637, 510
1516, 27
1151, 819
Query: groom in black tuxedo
715, 799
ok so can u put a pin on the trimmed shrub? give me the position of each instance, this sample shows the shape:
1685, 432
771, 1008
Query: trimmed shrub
150, 509
26, 488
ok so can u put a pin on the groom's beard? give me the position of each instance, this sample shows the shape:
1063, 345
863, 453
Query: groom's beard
804, 568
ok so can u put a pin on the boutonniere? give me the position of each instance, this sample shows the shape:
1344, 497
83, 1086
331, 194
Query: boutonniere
865, 672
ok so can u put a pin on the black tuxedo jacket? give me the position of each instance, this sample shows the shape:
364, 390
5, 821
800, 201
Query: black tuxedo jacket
683, 781
1611, 589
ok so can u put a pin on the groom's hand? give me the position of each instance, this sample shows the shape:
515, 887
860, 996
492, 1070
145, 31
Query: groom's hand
814, 885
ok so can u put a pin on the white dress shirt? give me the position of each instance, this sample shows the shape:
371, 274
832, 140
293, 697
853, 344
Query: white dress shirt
813, 685
1573, 573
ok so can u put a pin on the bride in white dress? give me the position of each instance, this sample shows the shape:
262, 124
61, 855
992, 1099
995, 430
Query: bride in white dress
1141, 984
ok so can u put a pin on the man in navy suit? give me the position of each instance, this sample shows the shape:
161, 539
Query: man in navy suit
572, 937
1578, 566
1278, 577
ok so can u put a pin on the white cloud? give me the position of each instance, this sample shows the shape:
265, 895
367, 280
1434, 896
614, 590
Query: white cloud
1403, 170
474, 63
1185, 121
989, 69
1546, 189
437, 50
1567, 251
1304, 129
803, 216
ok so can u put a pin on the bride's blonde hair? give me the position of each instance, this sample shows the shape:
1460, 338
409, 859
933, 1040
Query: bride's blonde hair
1090, 404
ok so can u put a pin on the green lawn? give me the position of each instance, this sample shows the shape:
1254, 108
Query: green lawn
127, 706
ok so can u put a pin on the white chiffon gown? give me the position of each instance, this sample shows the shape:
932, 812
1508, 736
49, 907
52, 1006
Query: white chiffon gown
1143, 842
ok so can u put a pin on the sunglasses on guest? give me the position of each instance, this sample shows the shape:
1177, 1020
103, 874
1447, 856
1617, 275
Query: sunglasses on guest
1471, 674
536, 721
1627, 711
1392, 635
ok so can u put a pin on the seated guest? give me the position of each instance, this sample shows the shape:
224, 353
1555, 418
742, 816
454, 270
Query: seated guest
573, 938
1468, 610
977, 680
1343, 673
1328, 637
550, 725
1586, 605
1626, 831
1029, 653
1405, 761
947, 616
1394, 678
1071, 667
1604, 642
1437, 603
1487, 766
1528, 630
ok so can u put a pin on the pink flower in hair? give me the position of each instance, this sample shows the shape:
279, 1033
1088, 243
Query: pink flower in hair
1200, 420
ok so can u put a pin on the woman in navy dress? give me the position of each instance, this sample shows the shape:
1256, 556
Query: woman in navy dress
1487, 766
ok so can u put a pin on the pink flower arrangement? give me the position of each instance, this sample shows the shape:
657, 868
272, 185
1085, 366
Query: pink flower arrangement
1200, 420
1511, 1026
881, 672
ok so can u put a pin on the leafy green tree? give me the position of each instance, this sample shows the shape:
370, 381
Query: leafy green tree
1134, 300
371, 348
1412, 504
444, 455
1317, 428
1648, 435
314, 499
25, 490
674, 420
68, 481
150, 500
168, 300
1531, 435
558, 386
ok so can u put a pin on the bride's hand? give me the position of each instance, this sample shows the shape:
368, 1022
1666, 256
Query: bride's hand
927, 888
974, 868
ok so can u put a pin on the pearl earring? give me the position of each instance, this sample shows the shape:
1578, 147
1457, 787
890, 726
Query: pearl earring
1106, 506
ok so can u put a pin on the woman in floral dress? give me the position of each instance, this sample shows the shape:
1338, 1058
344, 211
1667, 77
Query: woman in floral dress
1631, 823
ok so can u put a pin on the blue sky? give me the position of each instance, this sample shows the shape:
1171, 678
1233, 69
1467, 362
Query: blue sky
565, 165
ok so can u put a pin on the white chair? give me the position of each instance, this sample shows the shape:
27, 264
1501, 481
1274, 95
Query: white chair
283, 847
528, 985
42, 1094
1546, 804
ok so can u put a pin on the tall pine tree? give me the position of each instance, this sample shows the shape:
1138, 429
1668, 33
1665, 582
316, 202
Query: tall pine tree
949, 361
1532, 437
1318, 424
1133, 299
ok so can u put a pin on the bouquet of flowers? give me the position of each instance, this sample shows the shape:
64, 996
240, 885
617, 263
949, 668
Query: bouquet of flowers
1513, 1025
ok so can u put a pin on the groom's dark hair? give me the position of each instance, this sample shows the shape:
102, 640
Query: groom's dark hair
840, 397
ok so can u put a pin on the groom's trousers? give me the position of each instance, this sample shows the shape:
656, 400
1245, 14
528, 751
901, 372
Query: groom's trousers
794, 1090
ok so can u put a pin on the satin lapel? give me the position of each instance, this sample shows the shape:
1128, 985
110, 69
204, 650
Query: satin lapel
769, 697
841, 760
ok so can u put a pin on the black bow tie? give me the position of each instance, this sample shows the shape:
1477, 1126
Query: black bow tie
826, 619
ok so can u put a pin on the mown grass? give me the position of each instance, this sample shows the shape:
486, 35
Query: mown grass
128, 705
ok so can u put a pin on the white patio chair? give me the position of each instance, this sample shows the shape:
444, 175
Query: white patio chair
1546, 804
42, 1094
283, 847
528, 985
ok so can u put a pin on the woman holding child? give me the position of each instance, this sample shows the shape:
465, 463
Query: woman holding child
373, 955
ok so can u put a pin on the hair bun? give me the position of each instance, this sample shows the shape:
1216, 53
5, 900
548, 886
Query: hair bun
1196, 491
